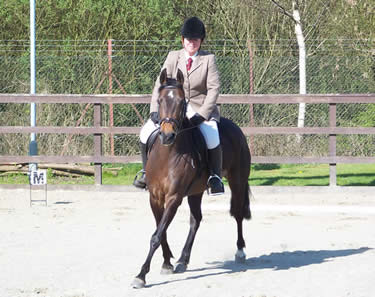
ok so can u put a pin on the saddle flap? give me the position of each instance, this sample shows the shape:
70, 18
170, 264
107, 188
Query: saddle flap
151, 140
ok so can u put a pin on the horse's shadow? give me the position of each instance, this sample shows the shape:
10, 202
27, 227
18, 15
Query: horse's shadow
286, 260
274, 261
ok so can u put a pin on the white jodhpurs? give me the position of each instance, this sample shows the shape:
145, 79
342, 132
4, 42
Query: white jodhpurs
210, 133
208, 129
147, 130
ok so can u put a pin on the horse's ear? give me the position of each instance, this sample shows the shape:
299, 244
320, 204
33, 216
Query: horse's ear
163, 76
180, 76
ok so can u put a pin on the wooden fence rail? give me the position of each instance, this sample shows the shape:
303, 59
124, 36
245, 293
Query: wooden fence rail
97, 130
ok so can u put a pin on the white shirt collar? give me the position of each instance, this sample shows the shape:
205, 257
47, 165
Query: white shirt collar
193, 56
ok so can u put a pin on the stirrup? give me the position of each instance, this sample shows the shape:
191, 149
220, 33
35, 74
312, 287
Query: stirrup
137, 182
217, 191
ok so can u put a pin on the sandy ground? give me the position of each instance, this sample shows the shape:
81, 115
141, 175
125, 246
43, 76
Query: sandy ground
313, 241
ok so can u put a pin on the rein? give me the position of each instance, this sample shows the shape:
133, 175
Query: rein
178, 123
186, 129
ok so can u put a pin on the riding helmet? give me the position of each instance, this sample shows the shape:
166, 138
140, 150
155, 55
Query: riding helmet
193, 28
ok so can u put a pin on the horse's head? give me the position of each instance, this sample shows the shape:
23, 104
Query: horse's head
172, 106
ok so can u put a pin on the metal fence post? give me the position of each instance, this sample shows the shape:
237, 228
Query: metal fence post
98, 143
332, 145
110, 92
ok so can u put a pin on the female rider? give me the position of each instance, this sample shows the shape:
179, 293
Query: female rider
201, 86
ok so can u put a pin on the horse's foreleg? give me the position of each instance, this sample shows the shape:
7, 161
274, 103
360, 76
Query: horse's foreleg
158, 210
156, 240
195, 202
167, 267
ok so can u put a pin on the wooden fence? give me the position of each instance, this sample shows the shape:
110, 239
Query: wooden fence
97, 130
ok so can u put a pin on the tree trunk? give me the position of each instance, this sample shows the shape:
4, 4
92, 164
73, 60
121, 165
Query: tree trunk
302, 64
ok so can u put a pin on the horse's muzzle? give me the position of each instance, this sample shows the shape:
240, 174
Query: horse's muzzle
167, 138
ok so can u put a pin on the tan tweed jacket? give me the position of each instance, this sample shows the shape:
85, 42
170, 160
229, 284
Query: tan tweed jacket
201, 84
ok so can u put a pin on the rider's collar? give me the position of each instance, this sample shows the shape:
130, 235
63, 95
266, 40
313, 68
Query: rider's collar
193, 56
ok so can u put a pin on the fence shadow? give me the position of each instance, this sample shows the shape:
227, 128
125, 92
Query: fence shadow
269, 181
275, 261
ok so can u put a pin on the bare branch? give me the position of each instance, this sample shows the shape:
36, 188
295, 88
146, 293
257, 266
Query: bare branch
318, 19
283, 10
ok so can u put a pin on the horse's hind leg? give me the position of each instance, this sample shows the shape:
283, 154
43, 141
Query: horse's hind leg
239, 209
195, 202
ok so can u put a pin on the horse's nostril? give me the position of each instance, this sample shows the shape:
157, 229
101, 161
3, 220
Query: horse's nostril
167, 138
171, 137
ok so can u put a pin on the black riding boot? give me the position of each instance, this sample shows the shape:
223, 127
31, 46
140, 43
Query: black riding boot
140, 182
215, 161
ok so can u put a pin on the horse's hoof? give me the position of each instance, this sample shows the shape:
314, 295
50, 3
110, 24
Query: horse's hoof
138, 283
166, 269
180, 268
240, 257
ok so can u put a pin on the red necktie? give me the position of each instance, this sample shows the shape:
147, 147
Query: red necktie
188, 65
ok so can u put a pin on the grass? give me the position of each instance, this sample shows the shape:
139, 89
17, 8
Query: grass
19, 179
312, 175
261, 175
290, 175
358, 175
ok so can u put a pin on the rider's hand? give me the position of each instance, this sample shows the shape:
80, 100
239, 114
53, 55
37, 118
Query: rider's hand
197, 119
155, 117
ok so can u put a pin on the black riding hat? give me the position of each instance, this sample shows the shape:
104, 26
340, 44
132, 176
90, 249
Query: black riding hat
193, 28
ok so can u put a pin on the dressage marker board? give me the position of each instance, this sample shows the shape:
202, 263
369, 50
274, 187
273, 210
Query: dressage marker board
38, 178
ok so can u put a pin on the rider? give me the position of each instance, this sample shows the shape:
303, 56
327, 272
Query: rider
201, 86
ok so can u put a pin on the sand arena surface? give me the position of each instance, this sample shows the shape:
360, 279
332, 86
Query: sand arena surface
312, 241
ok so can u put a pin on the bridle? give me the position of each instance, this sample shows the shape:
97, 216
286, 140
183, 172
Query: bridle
176, 123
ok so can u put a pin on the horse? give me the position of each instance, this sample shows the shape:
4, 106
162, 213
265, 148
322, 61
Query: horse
177, 167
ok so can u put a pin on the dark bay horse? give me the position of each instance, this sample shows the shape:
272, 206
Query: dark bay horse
177, 167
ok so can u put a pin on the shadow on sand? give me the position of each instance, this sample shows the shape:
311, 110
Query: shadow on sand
274, 261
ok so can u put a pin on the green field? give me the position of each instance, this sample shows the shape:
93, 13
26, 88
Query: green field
261, 175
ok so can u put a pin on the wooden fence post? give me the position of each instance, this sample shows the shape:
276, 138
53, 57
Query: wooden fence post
98, 143
332, 145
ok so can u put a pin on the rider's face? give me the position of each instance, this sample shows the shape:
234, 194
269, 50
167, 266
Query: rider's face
191, 45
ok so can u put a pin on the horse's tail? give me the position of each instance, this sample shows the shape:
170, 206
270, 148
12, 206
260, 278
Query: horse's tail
246, 205
248, 194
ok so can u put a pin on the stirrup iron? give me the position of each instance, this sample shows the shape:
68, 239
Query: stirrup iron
137, 177
208, 187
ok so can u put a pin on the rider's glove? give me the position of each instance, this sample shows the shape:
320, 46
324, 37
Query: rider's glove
196, 119
155, 117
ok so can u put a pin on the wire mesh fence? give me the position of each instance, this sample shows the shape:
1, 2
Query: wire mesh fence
131, 67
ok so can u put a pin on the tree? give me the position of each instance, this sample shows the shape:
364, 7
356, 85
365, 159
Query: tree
295, 16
